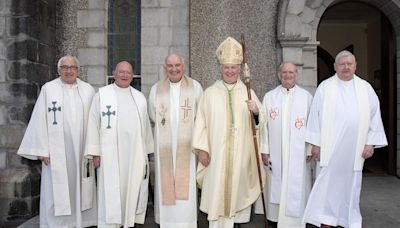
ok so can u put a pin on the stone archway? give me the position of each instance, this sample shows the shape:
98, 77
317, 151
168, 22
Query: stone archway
298, 22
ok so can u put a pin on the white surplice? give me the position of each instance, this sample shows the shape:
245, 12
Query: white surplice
119, 132
335, 197
289, 179
184, 213
69, 118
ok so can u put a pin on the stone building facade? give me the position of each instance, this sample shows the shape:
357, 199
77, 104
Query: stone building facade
35, 33
27, 55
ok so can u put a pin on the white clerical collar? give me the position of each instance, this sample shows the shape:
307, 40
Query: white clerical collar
69, 86
175, 84
117, 88
347, 82
288, 91
229, 86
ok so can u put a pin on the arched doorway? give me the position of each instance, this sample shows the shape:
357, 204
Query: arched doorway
365, 31
297, 29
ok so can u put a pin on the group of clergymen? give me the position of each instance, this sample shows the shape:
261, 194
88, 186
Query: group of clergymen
204, 140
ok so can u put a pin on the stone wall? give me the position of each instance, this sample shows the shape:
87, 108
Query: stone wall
213, 21
27, 57
165, 29
81, 31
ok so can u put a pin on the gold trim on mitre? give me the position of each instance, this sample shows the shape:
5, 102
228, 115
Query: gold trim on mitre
230, 52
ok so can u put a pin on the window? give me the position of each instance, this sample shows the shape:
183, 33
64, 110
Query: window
124, 36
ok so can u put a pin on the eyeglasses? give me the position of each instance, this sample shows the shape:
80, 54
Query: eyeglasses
66, 68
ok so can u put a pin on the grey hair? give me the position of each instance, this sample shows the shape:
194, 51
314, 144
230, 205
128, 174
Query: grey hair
61, 60
286, 62
342, 54
179, 56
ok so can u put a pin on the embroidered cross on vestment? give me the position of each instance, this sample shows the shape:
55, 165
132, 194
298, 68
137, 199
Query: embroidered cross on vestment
54, 109
108, 114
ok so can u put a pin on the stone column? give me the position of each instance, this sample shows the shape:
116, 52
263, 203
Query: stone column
303, 53
213, 21
27, 56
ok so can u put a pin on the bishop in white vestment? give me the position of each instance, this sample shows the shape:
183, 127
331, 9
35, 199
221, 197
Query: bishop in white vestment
172, 108
227, 173
118, 139
55, 135
344, 126
285, 150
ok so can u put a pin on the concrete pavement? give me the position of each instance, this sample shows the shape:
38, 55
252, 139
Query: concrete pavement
380, 206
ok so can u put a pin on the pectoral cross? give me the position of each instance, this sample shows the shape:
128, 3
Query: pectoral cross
186, 108
108, 114
54, 109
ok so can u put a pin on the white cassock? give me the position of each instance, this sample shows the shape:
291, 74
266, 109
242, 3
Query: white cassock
119, 132
56, 130
335, 197
289, 175
184, 213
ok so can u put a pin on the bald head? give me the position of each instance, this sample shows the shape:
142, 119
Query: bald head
174, 56
124, 64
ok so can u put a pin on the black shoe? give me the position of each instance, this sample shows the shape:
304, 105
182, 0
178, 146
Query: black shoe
237, 225
272, 224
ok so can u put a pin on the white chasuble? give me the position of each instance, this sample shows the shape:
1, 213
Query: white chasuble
230, 182
119, 132
288, 175
172, 107
335, 197
56, 130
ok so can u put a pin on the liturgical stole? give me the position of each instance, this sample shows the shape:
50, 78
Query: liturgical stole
109, 148
175, 188
328, 117
297, 148
55, 126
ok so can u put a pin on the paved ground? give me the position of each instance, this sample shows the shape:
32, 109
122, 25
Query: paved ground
380, 202
380, 206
